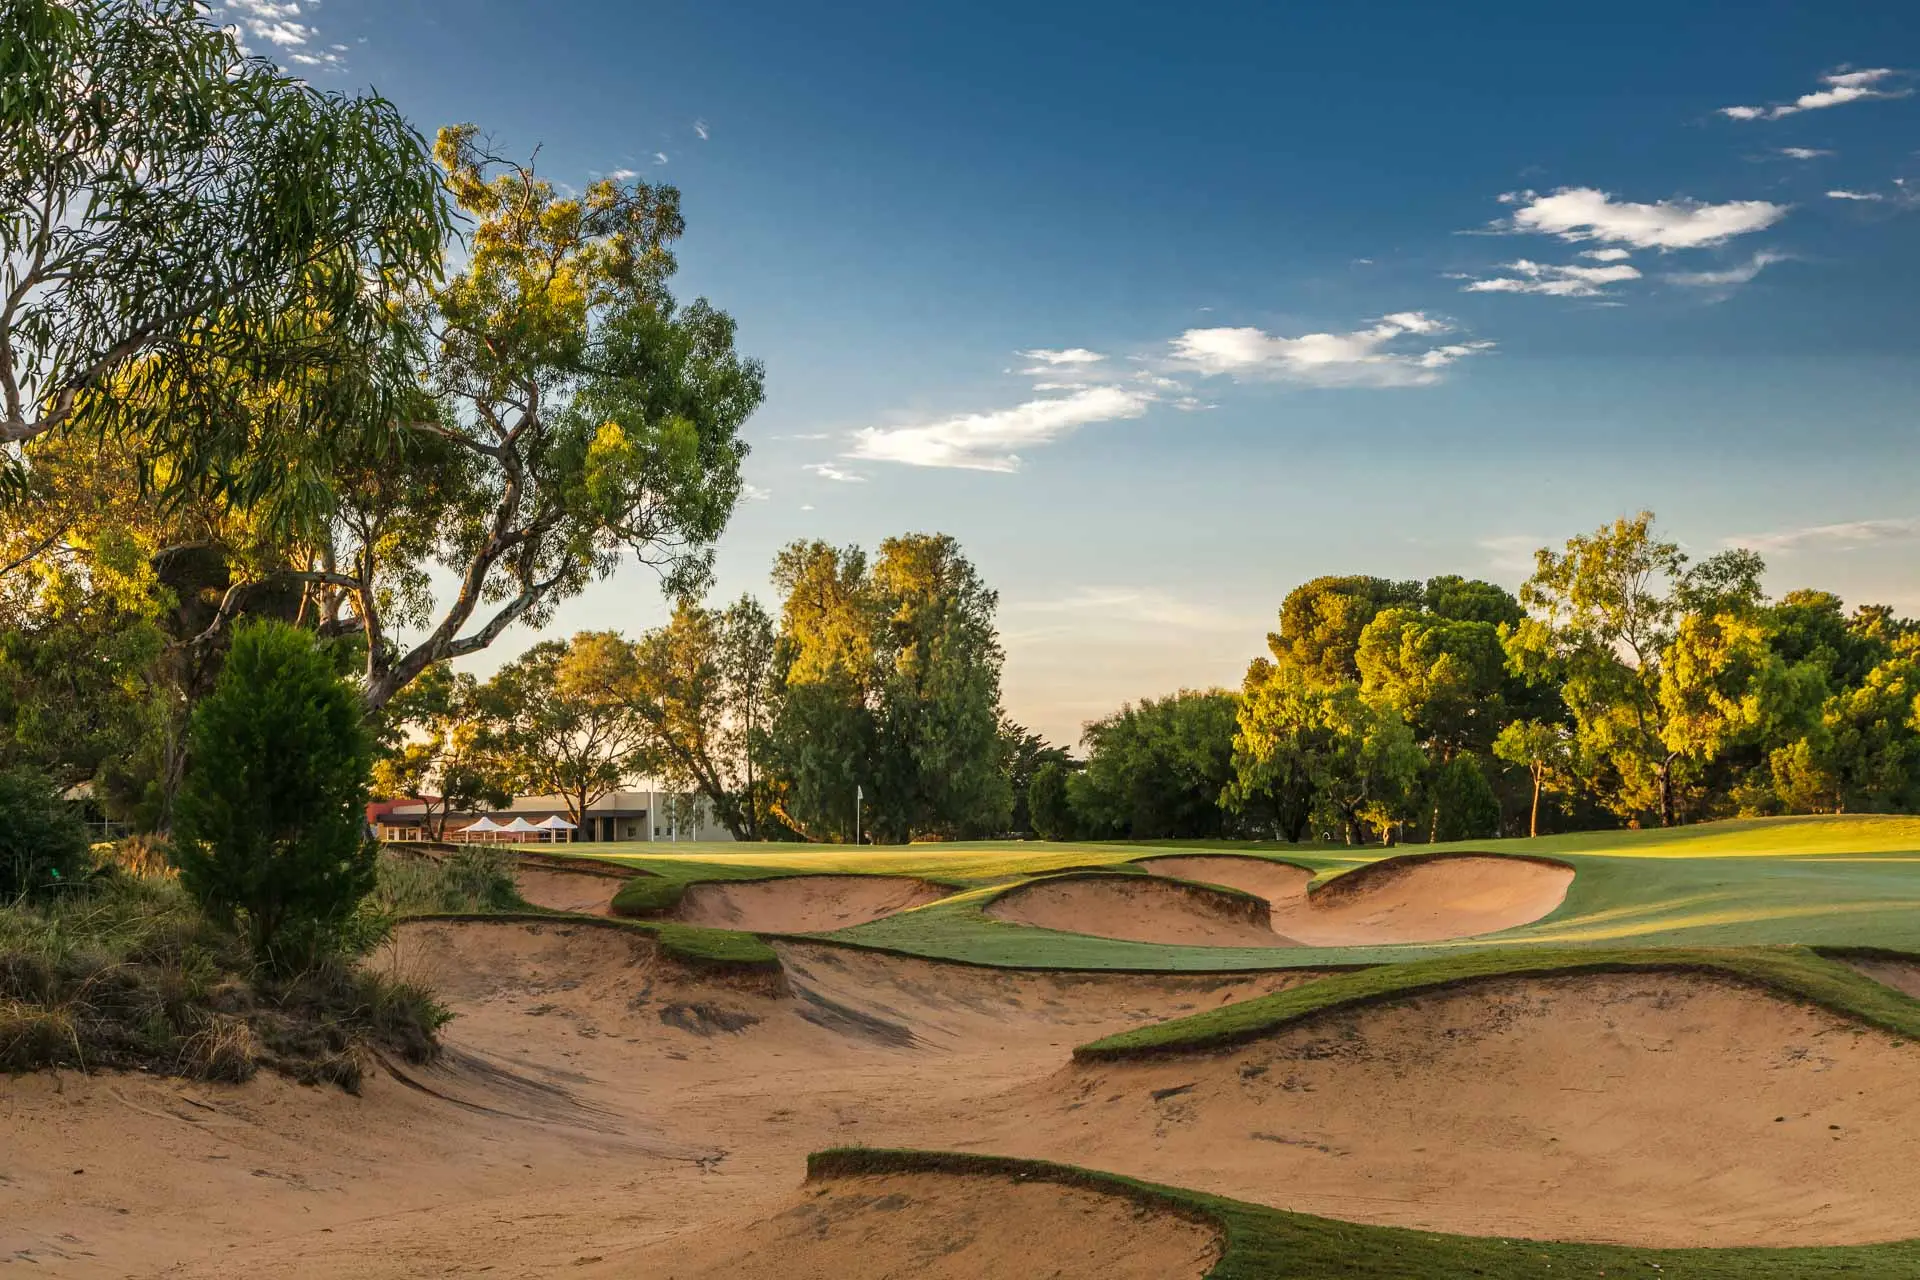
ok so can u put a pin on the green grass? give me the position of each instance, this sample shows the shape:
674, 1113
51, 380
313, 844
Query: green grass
1820, 881
1793, 972
1272, 1244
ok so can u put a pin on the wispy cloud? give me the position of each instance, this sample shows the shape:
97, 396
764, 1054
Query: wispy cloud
1843, 194
1730, 276
623, 175
753, 492
1556, 281
1840, 537
278, 22
1067, 356
1804, 153
1588, 213
1512, 552
659, 157
1377, 356
700, 128
1842, 87
1607, 255
1147, 605
827, 471
991, 441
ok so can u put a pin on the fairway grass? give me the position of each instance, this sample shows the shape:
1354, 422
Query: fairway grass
1270, 1244
1794, 973
1821, 881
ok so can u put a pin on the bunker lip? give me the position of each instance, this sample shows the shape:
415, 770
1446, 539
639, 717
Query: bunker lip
575, 885
800, 903
1135, 908
1406, 899
1663, 1108
954, 1223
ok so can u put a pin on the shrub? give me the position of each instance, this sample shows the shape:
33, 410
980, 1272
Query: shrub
472, 878
42, 842
270, 829
1047, 807
1464, 804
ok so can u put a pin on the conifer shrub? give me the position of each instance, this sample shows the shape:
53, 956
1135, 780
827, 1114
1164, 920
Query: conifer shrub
270, 831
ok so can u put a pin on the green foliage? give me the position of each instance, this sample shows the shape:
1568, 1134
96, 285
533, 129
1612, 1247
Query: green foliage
270, 830
473, 878
1049, 810
1156, 769
1792, 972
1321, 622
43, 846
1304, 746
1545, 751
564, 720
131, 975
450, 756
1464, 805
165, 204
890, 682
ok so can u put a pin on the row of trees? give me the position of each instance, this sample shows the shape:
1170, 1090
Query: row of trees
1624, 684
880, 677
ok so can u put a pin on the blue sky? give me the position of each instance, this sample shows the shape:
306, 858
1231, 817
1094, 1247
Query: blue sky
1395, 288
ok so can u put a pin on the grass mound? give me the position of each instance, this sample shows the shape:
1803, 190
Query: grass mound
128, 974
1263, 1243
1796, 973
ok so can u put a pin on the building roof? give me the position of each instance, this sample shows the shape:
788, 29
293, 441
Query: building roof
627, 803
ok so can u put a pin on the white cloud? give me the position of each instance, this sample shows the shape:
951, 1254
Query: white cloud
659, 157
277, 22
1149, 605
700, 127
989, 441
1854, 195
1068, 356
806, 506
623, 175
753, 492
1852, 534
1842, 87
1555, 281
1804, 153
1607, 255
1370, 357
1587, 213
1512, 552
827, 471
1730, 276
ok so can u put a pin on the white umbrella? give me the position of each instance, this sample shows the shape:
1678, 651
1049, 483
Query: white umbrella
520, 827
485, 825
556, 824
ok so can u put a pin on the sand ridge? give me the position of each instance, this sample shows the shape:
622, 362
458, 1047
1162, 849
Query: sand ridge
801, 904
568, 884
598, 1099
937, 1226
1666, 1109
1410, 899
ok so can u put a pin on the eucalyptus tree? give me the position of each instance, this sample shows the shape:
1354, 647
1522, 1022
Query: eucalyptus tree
167, 204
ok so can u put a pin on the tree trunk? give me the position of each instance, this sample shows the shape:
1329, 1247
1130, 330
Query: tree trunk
1666, 792
1533, 821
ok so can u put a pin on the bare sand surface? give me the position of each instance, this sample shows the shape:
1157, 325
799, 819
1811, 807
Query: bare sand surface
597, 1101
1659, 1109
927, 1226
1902, 975
1398, 900
593, 1099
559, 887
801, 904
1138, 909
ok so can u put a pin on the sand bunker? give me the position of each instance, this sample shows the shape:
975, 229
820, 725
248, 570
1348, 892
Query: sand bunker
1889, 971
1138, 909
568, 884
1397, 900
801, 904
1657, 1109
932, 1226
